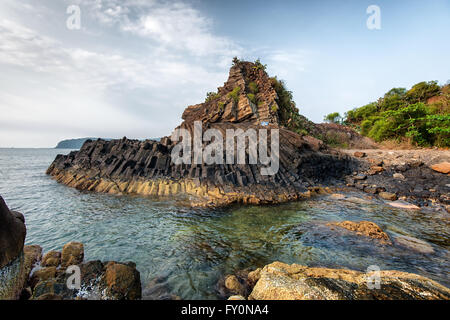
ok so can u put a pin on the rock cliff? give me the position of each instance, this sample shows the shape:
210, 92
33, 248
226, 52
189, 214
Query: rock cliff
248, 100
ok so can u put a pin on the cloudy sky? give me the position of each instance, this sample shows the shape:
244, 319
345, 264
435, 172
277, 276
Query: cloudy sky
134, 65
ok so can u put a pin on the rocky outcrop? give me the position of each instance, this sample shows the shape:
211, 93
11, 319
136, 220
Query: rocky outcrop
407, 175
98, 280
280, 281
13, 266
247, 100
12, 234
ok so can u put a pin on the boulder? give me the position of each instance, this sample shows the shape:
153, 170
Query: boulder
232, 283
359, 154
51, 259
443, 167
72, 254
123, 282
280, 281
42, 275
12, 234
364, 228
388, 196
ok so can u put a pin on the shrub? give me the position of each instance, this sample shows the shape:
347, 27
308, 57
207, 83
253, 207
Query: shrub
235, 94
334, 117
210, 96
252, 98
253, 87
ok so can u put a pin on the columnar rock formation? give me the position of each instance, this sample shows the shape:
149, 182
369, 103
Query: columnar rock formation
247, 100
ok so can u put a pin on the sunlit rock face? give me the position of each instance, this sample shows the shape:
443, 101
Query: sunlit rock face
247, 101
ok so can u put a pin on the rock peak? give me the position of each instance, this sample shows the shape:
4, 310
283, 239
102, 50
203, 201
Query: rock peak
247, 96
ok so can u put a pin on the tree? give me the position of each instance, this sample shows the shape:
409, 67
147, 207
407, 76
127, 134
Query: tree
334, 117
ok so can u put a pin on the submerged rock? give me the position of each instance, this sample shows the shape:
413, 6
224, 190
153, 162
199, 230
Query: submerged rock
414, 244
280, 281
364, 228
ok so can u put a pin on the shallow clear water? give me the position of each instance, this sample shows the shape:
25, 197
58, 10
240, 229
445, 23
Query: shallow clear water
185, 251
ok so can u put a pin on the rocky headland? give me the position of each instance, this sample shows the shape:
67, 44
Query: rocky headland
248, 100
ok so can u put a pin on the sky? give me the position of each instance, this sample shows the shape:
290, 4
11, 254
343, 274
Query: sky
133, 66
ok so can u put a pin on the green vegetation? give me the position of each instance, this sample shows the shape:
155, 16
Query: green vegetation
235, 94
421, 115
334, 117
221, 106
210, 96
252, 98
253, 87
259, 65
287, 110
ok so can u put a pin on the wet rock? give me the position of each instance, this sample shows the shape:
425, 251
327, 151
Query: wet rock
403, 205
72, 254
12, 234
253, 277
414, 244
232, 283
42, 275
364, 228
443, 167
123, 282
51, 259
280, 281
388, 196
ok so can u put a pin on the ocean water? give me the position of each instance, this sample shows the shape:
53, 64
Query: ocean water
184, 252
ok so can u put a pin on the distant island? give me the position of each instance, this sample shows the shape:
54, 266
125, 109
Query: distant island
78, 143
73, 143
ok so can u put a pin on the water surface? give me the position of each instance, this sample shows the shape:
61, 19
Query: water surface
185, 251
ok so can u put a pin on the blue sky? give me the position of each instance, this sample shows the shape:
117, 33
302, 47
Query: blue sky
135, 65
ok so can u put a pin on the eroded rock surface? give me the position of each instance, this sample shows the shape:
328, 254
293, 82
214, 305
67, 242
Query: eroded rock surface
280, 281
247, 100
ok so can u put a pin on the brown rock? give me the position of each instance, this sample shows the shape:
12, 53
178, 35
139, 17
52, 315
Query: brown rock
232, 283
236, 298
443, 167
42, 275
359, 154
12, 234
280, 281
123, 282
253, 277
51, 259
375, 169
388, 196
49, 296
72, 254
365, 228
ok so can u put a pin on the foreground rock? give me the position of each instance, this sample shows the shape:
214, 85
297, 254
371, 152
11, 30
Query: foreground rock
12, 234
99, 280
280, 281
12, 260
248, 100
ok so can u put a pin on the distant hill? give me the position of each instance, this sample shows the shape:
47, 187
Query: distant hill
72, 143
78, 143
